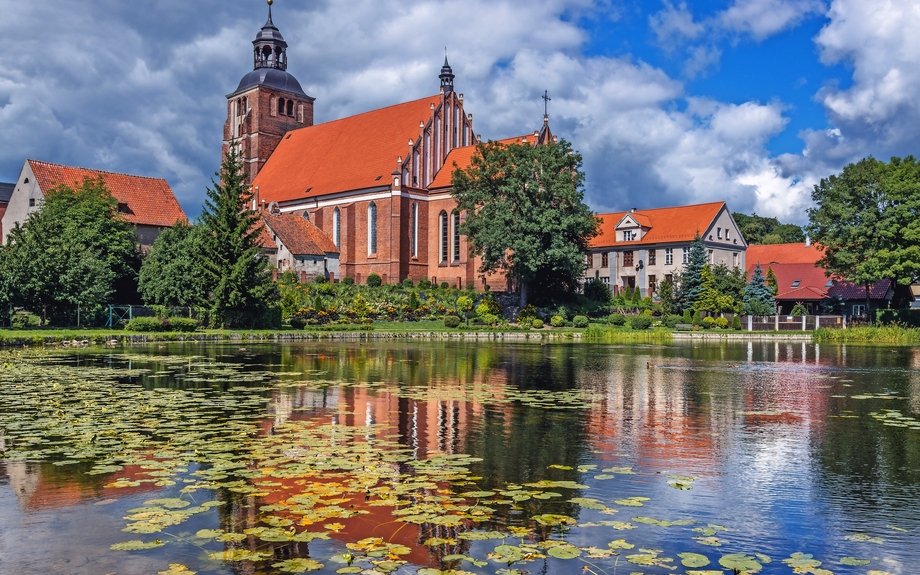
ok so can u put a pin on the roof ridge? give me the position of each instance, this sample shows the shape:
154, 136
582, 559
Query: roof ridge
95, 170
640, 211
343, 118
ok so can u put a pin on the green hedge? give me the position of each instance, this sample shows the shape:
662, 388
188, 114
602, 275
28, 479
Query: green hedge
152, 324
905, 317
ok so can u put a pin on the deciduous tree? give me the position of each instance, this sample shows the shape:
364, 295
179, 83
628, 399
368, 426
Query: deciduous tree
525, 214
171, 273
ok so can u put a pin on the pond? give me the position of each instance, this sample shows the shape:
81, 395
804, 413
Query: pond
455, 458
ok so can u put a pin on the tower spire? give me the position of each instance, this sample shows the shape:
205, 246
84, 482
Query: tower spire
270, 49
447, 76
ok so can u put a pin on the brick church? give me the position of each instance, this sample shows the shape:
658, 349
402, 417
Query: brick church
377, 184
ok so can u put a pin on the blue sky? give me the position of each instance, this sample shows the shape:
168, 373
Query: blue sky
748, 101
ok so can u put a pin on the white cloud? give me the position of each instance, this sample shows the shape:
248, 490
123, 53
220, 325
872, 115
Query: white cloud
764, 18
674, 25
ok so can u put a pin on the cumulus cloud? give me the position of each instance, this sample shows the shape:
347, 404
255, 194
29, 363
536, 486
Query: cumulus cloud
675, 24
763, 18
141, 88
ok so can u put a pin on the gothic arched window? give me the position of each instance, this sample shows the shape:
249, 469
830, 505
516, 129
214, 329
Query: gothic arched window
414, 229
280, 106
456, 217
290, 108
337, 227
372, 228
443, 233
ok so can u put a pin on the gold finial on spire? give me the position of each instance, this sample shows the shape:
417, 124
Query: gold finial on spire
270, 2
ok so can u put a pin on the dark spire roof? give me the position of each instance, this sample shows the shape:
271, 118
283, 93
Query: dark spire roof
447, 76
270, 61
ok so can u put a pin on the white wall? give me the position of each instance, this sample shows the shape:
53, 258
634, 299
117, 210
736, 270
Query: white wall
18, 209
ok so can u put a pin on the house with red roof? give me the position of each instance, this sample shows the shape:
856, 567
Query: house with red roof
641, 248
147, 203
6, 192
799, 280
377, 184
292, 243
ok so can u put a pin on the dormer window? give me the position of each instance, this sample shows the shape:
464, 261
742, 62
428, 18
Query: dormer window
796, 283
829, 284
123, 208
629, 236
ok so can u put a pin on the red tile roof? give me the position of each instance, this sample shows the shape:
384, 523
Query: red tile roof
812, 281
781, 254
848, 290
353, 153
461, 158
677, 224
300, 236
149, 201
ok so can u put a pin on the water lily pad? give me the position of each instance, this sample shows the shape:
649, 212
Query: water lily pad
551, 520
177, 569
620, 544
853, 561
298, 565
862, 537
693, 560
802, 561
355, 569
741, 562
137, 545
564, 552
236, 555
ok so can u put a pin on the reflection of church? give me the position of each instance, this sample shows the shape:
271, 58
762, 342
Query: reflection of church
378, 183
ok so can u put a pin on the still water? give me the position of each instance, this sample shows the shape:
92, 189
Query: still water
440, 458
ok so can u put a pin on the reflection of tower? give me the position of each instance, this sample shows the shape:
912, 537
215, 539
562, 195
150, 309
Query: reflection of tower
267, 104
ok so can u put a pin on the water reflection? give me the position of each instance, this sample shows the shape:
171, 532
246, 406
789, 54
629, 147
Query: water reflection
782, 450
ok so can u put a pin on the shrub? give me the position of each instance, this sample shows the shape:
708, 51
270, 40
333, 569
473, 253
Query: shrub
24, 320
407, 283
445, 285
799, 309
145, 324
470, 287
489, 318
708, 322
348, 281
736, 323
182, 324
452, 321
672, 320
298, 322
640, 322
527, 314
596, 290
488, 305
580, 321
616, 319
424, 284
697, 320
320, 279
557, 321
537, 324
374, 280
413, 301
722, 322
687, 319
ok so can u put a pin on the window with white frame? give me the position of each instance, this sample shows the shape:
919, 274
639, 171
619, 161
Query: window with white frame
443, 236
372, 228
669, 256
456, 222
686, 255
337, 227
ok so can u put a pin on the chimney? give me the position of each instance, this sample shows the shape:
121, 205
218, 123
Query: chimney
807, 241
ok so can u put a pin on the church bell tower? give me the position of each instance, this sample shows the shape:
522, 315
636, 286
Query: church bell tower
267, 104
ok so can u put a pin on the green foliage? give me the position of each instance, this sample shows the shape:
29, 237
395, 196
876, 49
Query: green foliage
348, 281
424, 284
640, 322
452, 321
692, 276
407, 283
688, 319
722, 322
537, 324
760, 230
799, 309
557, 321
580, 321
24, 320
489, 305
527, 201
153, 324
885, 334
709, 322
616, 319
596, 290
374, 280
527, 313
697, 320
666, 296
636, 297
414, 303
711, 299
76, 250
238, 288
170, 275
320, 279
902, 317
736, 323
490, 319
758, 295
445, 285
672, 320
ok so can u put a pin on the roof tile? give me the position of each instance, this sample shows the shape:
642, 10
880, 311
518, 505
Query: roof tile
782, 254
149, 201
461, 158
299, 235
353, 153
676, 224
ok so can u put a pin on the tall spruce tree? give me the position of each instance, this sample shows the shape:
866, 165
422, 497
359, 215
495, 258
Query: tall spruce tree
692, 276
758, 296
235, 277
526, 214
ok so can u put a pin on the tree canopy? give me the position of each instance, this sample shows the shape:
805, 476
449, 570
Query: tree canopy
525, 214
761, 230
758, 296
692, 276
75, 251
236, 284
170, 273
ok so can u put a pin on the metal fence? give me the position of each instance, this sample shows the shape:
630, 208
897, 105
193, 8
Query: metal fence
793, 323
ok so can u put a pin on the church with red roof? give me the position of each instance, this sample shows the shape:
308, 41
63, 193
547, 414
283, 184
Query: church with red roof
377, 184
